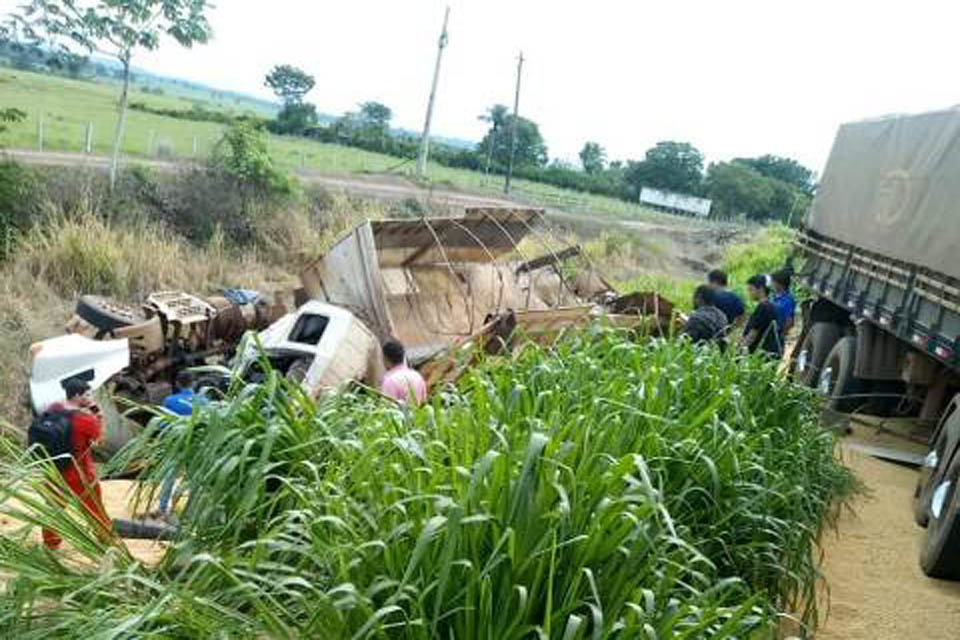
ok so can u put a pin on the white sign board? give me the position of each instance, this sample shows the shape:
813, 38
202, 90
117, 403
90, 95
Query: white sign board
676, 201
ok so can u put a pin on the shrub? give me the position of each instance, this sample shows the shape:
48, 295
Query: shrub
242, 154
19, 205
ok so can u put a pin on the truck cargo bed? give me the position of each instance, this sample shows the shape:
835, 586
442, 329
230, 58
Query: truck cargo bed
916, 304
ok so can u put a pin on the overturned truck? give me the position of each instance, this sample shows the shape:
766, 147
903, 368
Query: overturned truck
439, 285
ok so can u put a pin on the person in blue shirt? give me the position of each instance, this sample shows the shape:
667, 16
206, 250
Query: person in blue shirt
181, 403
783, 301
725, 300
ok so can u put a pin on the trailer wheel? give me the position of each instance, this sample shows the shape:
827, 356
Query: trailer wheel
837, 381
940, 556
106, 315
814, 350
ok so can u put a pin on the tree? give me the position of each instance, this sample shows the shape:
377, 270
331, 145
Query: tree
780, 168
375, 118
496, 116
737, 189
531, 152
295, 118
375, 114
242, 154
290, 83
593, 157
117, 28
672, 166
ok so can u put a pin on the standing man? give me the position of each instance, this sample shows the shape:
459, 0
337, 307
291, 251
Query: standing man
707, 323
181, 403
783, 300
80, 475
761, 331
725, 300
401, 383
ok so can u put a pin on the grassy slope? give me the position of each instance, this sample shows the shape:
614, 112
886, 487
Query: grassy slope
765, 252
68, 105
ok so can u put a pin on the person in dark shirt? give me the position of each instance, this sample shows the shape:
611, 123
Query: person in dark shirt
727, 301
783, 300
761, 331
707, 322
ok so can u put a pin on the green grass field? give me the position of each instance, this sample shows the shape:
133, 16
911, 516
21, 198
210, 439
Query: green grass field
67, 106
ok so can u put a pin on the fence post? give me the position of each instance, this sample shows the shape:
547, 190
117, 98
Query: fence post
40, 132
88, 146
194, 146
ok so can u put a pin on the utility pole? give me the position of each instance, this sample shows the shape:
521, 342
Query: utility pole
513, 127
425, 140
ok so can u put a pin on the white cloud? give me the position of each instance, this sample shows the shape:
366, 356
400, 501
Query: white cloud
734, 78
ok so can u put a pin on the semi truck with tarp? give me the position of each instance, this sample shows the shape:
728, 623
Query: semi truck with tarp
880, 251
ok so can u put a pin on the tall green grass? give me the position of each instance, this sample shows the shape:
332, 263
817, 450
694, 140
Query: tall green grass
603, 488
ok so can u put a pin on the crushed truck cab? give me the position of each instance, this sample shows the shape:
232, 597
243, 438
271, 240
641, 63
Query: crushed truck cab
319, 346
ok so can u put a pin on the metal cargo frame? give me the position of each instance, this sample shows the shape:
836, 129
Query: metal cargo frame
915, 304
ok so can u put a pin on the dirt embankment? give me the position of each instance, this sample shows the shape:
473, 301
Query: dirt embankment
876, 588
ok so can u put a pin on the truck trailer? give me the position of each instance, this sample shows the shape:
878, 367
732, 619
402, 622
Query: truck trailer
879, 250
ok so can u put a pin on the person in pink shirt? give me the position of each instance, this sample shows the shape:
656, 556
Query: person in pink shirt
401, 383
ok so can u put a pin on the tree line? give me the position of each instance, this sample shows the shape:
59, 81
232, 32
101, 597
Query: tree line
768, 187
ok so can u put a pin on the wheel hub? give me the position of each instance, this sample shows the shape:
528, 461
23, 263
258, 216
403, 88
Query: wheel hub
939, 498
826, 381
803, 360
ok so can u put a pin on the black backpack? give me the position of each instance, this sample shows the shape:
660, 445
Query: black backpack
51, 432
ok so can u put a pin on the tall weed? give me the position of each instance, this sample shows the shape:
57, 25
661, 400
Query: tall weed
86, 255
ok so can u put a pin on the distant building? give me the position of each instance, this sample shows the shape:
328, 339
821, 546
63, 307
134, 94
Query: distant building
676, 202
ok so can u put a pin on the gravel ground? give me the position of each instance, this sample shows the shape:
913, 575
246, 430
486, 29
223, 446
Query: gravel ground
877, 590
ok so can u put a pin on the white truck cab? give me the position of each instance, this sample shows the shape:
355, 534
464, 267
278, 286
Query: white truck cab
59, 359
320, 346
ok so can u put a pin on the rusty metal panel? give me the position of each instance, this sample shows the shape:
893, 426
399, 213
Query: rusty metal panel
348, 276
482, 235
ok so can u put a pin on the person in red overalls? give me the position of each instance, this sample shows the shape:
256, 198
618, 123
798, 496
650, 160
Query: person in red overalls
86, 429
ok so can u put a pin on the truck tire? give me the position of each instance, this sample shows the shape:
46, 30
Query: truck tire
814, 350
940, 556
928, 478
106, 315
836, 380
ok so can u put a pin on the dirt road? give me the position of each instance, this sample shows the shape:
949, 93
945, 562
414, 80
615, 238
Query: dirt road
877, 590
